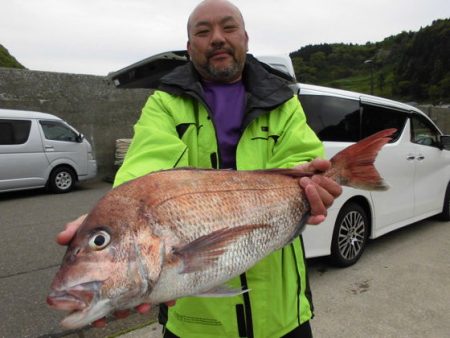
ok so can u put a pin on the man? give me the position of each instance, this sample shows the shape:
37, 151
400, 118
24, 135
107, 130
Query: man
224, 110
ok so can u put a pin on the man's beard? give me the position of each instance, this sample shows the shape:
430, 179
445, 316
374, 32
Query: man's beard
223, 74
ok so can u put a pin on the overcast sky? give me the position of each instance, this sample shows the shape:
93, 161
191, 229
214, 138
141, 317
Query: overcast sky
101, 36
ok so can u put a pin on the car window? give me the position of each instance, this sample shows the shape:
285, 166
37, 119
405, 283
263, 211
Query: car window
57, 131
14, 131
376, 118
332, 118
423, 132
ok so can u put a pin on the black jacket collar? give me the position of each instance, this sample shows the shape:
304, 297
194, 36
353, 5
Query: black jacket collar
265, 90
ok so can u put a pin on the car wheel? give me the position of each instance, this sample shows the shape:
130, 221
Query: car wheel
350, 235
61, 180
445, 214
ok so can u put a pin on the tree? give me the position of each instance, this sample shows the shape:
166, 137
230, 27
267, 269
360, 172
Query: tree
7, 60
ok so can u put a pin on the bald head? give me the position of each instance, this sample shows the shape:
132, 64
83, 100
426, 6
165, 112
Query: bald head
212, 6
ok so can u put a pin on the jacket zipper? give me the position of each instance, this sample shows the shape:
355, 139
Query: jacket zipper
198, 99
247, 307
243, 277
246, 298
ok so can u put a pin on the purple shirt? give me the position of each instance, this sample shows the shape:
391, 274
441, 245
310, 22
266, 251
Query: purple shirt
227, 104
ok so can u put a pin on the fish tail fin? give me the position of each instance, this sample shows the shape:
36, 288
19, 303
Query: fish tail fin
354, 165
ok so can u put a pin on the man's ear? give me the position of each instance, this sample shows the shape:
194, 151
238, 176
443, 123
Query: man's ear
188, 47
246, 41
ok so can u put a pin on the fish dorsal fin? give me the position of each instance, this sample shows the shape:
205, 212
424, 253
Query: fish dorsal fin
222, 291
207, 249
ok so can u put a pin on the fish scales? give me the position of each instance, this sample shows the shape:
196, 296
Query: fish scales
192, 213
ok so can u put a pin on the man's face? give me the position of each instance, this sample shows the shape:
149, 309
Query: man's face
218, 41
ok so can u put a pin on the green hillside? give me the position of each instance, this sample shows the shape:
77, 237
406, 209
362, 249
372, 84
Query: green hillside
7, 60
408, 66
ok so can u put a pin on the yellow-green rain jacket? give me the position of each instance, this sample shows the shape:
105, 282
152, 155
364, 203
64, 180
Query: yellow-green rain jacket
175, 130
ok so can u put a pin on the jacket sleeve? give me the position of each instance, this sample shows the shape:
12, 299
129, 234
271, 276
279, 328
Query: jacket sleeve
155, 145
297, 142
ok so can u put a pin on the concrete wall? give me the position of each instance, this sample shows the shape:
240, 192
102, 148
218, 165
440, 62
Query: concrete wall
441, 116
95, 107
91, 104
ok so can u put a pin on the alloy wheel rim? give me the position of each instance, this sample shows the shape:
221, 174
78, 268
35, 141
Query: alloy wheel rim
63, 180
351, 235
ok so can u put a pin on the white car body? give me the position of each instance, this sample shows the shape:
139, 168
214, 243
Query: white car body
418, 176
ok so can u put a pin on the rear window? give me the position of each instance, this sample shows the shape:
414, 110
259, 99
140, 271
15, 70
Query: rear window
332, 118
345, 120
14, 131
375, 118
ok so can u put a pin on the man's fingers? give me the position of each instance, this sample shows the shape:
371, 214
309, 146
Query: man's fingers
120, 314
314, 198
321, 193
171, 303
99, 323
143, 308
328, 189
320, 165
316, 166
315, 220
65, 236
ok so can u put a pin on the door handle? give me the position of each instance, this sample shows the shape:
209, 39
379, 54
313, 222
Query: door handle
49, 148
420, 157
410, 157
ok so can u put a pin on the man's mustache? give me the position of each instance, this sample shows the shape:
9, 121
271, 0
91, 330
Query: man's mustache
212, 52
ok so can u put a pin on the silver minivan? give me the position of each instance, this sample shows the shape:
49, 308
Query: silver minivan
41, 150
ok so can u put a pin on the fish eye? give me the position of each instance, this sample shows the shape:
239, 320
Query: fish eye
99, 240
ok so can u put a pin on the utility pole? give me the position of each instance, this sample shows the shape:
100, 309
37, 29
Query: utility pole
370, 63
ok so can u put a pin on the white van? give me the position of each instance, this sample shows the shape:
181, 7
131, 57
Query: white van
416, 163
41, 150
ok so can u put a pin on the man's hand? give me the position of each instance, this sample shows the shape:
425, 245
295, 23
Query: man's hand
320, 191
64, 238
142, 309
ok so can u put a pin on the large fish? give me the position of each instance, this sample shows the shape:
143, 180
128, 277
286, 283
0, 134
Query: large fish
183, 232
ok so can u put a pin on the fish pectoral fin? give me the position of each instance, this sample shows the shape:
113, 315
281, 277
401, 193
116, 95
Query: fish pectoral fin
222, 291
206, 250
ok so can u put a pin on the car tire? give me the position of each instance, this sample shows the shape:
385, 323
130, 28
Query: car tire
61, 180
445, 214
350, 235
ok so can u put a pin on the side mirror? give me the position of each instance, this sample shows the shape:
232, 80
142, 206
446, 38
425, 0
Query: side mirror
79, 138
445, 142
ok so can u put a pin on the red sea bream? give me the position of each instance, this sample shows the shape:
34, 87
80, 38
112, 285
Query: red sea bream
182, 232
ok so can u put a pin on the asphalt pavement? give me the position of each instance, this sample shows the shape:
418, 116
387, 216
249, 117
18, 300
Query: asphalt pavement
399, 288
30, 257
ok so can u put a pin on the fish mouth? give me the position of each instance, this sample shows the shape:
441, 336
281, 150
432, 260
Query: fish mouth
82, 301
75, 298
